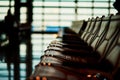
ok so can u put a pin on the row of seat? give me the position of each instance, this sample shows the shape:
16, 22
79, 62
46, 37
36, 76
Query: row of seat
92, 53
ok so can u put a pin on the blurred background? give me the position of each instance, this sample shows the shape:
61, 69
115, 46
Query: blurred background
39, 22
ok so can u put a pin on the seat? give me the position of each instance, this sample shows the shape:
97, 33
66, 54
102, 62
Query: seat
76, 29
101, 62
61, 72
101, 51
90, 37
101, 32
112, 60
76, 40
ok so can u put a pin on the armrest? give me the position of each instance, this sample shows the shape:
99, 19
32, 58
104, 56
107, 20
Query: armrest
72, 52
72, 46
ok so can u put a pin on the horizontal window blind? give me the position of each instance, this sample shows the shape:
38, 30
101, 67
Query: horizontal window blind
62, 12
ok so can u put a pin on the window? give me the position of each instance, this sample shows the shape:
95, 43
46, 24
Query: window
4, 6
23, 14
62, 12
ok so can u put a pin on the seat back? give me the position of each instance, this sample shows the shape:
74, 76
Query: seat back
77, 26
101, 33
110, 37
91, 27
86, 28
95, 31
112, 61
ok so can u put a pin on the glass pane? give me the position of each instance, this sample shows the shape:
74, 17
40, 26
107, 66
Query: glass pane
65, 23
23, 10
12, 10
51, 23
67, 10
51, 10
113, 11
85, 0
100, 11
111, 5
36, 23
23, 21
51, 4
51, 17
36, 3
85, 11
37, 0
96, 4
37, 17
101, 0
67, 17
2, 16
70, 4
4, 9
5, 3
83, 17
12, 3
36, 29
37, 10
52, 0
67, 0
23, 1
83, 4
23, 16
23, 50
